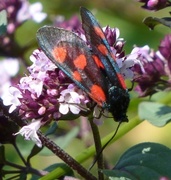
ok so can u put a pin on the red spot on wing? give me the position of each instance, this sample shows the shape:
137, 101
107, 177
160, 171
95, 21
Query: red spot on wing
102, 48
113, 56
97, 94
98, 62
76, 76
121, 80
80, 62
99, 32
59, 53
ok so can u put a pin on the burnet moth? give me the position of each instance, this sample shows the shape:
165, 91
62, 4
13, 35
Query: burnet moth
93, 69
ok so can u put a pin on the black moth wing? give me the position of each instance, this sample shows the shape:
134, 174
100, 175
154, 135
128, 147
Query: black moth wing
117, 96
50, 38
97, 38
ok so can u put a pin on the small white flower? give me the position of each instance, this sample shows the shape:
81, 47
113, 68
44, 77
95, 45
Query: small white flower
35, 12
126, 65
41, 64
69, 100
158, 53
8, 68
145, 55
29, 132
12, 98
144, 52
35, 86
23, 14
32, 11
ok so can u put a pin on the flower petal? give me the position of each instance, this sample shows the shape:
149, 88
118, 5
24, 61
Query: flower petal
30, 132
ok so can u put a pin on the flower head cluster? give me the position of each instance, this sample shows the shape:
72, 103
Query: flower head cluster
154, 72
44, 95
155, 4
18, 11
125, 62
45, 91
73, 24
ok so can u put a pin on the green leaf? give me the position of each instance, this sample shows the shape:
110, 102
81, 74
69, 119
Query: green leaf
65, 140
143, 161
52, 129
156, 113
58, 167
35, 150
151, 22
3, 22
62, 141
23, 176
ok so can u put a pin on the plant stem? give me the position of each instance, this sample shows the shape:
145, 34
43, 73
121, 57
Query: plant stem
19, 153
72, 163
125, 127
98, 146
89, 152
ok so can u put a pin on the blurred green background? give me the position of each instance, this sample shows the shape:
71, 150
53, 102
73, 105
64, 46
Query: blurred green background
127, 15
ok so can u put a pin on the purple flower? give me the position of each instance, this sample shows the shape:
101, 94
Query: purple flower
148, 73
126, 65
44, 92
164, 50
73, 24
12, 7
155, 4
153, 72
44, 95
19, 11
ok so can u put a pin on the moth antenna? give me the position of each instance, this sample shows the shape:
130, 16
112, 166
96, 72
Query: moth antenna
97, 156
107, 116
78, 105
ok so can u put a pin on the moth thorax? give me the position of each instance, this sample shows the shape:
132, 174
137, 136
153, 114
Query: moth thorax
118, 101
